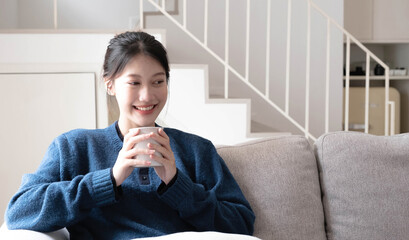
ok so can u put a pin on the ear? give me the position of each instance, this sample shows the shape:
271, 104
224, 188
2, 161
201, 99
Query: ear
109, 87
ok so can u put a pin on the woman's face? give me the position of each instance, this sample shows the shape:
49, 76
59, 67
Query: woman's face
141, 92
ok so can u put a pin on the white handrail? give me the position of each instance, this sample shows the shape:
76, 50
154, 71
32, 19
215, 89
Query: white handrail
141, 15
206, 20
232, 70
347, 83
226, 53
386, 101
367, 93
247, 40
55, 14
184, 14
327, 76
266, 96
307, 72
287, 65
268, 32
369, 56
392, 107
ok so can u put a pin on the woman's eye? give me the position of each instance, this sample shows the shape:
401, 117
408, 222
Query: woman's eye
159, 82
134, 83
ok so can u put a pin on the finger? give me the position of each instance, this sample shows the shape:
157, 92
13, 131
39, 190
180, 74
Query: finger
163, 133
131, 133
158, 159
138, 151
139, 163
160, 149
130, 143
162, 140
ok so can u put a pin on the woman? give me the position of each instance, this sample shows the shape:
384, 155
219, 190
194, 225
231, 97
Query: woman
91, 182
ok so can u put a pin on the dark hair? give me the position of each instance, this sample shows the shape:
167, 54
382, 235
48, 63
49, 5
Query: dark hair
123, 47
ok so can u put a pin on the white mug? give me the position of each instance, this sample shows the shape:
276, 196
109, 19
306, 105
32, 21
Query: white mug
144, 145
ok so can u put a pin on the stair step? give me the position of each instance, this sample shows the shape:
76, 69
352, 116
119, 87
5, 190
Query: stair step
257, 127
189, 108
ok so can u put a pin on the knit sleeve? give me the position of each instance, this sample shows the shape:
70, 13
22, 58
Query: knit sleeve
46, 202
212, 201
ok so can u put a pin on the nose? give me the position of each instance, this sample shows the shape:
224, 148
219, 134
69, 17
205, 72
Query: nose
145, 94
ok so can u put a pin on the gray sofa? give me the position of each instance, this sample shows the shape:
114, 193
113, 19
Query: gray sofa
345, 186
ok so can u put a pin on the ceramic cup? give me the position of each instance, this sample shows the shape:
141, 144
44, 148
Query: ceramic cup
144, 145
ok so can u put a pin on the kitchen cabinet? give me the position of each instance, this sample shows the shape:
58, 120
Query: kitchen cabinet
390, 20
382, 25
376, 110
377, 20
358, 16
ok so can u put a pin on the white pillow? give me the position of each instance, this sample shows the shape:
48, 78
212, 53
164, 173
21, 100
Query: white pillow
62, 234
6, 234
202, 236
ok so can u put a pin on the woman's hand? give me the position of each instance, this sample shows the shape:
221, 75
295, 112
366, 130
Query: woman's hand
168, 170
125, 163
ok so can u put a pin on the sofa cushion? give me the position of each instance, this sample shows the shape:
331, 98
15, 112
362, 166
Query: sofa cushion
279, 177
365, 184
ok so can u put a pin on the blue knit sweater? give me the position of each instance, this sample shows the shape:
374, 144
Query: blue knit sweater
73, 188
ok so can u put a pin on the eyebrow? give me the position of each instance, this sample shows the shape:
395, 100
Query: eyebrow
139, 76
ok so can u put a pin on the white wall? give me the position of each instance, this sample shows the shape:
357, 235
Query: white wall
35, 13
97, 14
8, 14
71, 14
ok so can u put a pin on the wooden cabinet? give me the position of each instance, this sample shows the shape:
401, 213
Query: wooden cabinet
377, 20
376, 110
358, 17
391, 20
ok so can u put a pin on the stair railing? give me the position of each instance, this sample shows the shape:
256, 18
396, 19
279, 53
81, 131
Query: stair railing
369, 55
245, 79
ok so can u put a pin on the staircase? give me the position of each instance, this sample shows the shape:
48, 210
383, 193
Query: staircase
220, 120
297, 113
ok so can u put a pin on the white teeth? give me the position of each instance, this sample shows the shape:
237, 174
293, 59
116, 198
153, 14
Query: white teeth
145, 108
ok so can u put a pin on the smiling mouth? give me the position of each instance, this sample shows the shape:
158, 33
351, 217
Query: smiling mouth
145, 108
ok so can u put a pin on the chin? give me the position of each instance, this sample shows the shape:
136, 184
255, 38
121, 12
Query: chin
145, 124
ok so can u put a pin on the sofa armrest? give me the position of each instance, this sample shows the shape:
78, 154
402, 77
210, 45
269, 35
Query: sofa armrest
6, 234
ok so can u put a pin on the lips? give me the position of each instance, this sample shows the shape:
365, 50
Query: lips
147, 109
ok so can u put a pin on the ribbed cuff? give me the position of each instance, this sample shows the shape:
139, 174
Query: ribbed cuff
117, 190
163, 187
103, 191
178, 192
